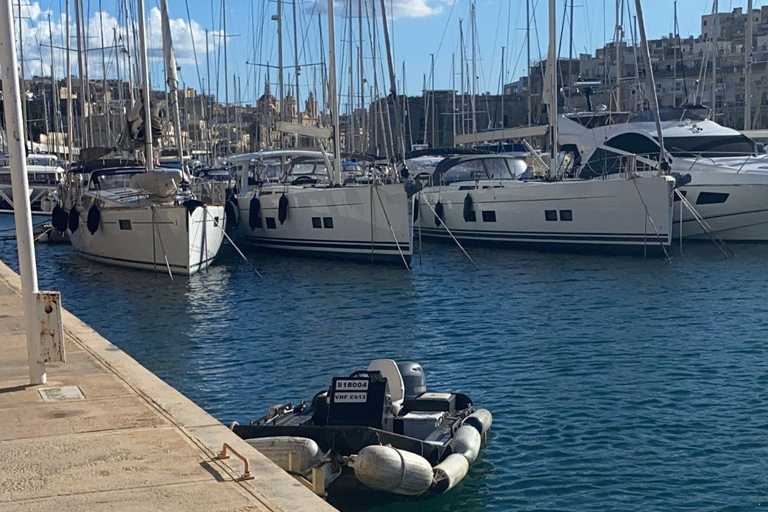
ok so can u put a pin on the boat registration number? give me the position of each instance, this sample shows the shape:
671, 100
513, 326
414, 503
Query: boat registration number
350, 397
352, 385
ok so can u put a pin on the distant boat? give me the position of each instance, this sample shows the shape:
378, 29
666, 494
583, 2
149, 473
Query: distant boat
721, 172
43, 173
287, 202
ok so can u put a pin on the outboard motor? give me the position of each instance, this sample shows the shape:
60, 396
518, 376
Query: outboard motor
414, 379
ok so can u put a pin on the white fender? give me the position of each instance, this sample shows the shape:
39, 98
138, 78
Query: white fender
450, 472
388, 469
466, 441
481, 419
278, 448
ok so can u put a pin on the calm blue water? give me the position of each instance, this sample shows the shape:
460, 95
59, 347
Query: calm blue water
616, 383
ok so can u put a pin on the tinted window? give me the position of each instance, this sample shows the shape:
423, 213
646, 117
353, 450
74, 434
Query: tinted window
711, 198
550, 215
489, 216
712, 146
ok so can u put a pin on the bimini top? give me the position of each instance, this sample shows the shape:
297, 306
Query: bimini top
282, 153
479, 167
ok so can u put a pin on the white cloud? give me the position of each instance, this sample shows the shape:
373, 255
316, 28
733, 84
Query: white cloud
37, 35
396, 8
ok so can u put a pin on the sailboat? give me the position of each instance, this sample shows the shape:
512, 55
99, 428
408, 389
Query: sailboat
129, 215
298, 201
497, 199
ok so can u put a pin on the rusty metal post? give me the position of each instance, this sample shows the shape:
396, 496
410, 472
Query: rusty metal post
21, 208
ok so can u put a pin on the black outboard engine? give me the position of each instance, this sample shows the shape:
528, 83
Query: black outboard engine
413, 378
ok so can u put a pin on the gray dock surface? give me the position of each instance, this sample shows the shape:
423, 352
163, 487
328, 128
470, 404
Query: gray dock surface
132, 444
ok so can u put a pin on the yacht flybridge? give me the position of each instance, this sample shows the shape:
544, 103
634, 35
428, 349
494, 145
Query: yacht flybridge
721, 174
292, 200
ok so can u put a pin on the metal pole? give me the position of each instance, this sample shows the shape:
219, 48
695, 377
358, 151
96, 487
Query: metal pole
281, 72
528, 45
351, 135
145, 86
54, 92
70, 119
81, 73
226, 72
333, 99
651, 83
715, 37
748, 69
474, 66
21, 207
25, 127
552, 108
501, 123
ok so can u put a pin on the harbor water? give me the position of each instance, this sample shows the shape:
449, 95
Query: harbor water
616, 383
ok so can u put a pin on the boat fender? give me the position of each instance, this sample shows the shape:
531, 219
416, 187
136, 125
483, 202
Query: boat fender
278, 449
282, 208
466, 441
254, 214
416, 210
59, 218
481, 419
450, 472
74, 219
94, 219
469, 207
191, 205
387, 469
232, 213
438, 214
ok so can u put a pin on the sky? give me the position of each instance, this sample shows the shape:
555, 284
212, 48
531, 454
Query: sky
420, 30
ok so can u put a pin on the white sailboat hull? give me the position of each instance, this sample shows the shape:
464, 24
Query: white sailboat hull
567, 215
131, 237
369, 223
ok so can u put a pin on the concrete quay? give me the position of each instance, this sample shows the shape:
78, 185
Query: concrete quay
130, 443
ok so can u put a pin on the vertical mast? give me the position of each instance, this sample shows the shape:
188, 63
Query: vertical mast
748, 69
400, 144
118, 56
208, 108
474, 66
501, 122
23, 217
361, 78
70, 120
25, 124
715, 37
297, 66
172, 79
619, 37
108, 141
54, 90
528, 65
81, 73
570, 60
674, 66
146, 93
453, 98
280, 69
333, 97
226, 72
351, 134
128, 33
552, 76
434, 114
462, 59
651, 84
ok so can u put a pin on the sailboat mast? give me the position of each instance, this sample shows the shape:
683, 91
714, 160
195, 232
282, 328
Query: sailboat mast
23, 80
501, 122
552, 76
81, 73
619, 37
171, 78
226, 73
351, 100
461, 65
361, 79
333, 97
651, 83
453, 98
107, 125
748, 69
54, 90
474, 66
674, 66
392, 81
528, 65
70, 120
715, 36
297, 66
128, 34
146, 93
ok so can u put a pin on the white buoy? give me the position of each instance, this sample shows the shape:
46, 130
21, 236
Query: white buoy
450, 472
388, 469
481, 419
466, 441
278, 449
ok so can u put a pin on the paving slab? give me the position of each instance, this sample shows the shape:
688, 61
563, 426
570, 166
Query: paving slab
121, 440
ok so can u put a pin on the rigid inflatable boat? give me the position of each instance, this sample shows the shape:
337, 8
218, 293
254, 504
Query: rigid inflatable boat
375, 429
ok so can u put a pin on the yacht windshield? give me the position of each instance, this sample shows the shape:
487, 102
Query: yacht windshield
478, 169
710, 145
115, 180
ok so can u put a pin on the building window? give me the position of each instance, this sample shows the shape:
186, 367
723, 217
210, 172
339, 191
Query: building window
125, 224
328, 222
550, 215
317, 223
489, 216
566, 215
271, 223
